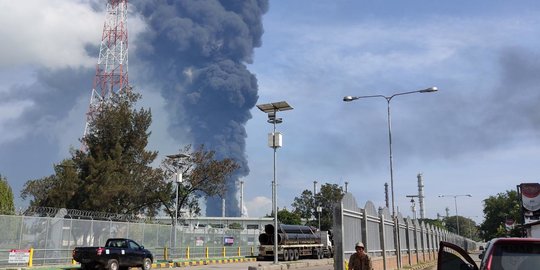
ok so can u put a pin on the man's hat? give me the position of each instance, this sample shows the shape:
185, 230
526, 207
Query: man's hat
359, 244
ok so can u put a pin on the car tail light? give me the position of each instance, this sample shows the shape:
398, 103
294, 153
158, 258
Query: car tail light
100, 251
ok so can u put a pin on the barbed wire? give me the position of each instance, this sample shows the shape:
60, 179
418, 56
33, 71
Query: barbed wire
82, 214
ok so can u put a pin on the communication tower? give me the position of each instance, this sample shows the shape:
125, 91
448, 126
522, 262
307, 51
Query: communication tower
112, 66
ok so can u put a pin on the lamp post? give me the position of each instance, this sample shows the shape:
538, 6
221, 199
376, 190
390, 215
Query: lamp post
178, 181
319, 210
274, 142
388, 99
455, 204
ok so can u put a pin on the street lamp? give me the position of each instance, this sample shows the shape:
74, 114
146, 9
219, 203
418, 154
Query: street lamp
274, 141
455, 204
178, 181
388, 99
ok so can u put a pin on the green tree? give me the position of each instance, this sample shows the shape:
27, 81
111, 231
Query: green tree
326, 198
434, 222
287, 217
7, 206
306, 205
467, 226
113, 174
497, 209
202, 175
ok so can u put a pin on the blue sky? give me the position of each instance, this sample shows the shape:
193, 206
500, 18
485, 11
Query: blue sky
478, 135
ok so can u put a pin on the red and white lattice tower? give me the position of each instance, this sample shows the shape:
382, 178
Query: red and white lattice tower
112, 67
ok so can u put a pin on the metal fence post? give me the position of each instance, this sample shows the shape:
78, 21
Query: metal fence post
382, 237
338, 236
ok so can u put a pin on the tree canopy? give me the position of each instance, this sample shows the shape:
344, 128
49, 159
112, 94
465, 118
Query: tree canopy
202, 175
114, 173
7, 206
497, 209
306, 205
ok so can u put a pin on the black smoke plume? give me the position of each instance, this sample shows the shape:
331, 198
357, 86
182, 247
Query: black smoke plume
198, 51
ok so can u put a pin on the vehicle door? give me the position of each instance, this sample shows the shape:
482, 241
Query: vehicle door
122, 250
452, 257
136, 253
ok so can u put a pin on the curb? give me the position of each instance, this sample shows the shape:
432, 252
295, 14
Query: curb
201, 262
292, 265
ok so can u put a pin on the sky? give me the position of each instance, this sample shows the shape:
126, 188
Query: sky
478, 135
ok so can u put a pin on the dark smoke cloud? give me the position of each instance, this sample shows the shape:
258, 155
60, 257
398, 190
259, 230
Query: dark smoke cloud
477, 120
198, 50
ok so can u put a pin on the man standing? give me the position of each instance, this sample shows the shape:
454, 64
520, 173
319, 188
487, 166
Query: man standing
360, 260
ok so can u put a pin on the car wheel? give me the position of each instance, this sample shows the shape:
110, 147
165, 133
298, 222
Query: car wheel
113, 265
147, 264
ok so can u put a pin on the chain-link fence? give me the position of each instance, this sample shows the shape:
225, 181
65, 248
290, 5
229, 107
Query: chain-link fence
53, 239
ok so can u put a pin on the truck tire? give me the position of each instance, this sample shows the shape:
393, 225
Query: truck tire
296, 255
285, 255
291, 254
147, 264
112, 264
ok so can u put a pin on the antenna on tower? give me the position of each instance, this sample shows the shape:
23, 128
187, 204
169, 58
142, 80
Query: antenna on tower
112, 66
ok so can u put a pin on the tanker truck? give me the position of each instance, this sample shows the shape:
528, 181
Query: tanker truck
295, 242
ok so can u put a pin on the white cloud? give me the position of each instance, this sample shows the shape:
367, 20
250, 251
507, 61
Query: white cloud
49, 33
259, 206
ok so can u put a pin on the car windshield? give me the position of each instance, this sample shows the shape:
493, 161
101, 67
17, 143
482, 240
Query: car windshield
515, 256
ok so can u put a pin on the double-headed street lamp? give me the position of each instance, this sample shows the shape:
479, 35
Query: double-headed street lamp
274, 141
455, 204
388, 99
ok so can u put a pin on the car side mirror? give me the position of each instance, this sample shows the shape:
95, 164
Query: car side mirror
481, 256
141, 247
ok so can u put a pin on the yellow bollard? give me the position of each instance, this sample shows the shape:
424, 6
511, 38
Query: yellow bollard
224, 252
206, 252
187, 253
166, 253
252, 251
239, 252
31, 257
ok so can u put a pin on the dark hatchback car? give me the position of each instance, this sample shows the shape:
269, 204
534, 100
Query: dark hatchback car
500, 254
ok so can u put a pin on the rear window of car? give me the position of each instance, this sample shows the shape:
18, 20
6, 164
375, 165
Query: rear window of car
516, 256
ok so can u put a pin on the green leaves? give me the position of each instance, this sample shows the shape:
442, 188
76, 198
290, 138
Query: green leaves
6, 198
114, 174
496, 210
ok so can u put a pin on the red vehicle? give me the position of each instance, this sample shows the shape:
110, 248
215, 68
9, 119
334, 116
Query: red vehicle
500, 254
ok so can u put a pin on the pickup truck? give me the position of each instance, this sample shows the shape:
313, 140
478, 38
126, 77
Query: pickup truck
118, 253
